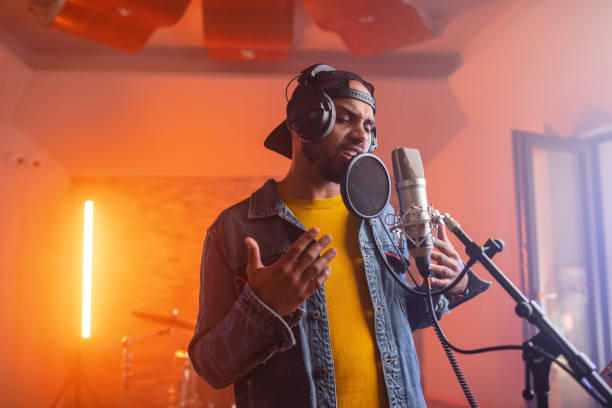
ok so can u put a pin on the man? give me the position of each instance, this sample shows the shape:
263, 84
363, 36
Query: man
291, 320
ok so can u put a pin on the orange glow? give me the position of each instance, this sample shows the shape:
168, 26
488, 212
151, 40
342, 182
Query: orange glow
87, 257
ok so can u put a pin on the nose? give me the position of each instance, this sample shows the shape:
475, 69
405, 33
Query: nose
360, 135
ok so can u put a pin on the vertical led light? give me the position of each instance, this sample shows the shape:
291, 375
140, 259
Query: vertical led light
87, 256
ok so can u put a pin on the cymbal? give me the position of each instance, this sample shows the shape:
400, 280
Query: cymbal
167, 320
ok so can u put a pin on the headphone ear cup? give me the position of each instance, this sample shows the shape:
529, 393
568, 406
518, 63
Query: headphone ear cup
373, 141
312, 115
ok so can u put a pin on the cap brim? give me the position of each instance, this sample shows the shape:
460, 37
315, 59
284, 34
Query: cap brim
280, 140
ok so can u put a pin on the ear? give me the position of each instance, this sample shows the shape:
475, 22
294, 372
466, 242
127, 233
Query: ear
295, 143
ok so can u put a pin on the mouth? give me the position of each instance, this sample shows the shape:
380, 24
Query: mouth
350, 153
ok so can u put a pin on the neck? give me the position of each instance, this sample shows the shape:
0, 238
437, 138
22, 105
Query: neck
310, 185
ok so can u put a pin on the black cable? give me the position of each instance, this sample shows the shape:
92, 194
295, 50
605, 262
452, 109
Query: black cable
434, 293
552, 358
587, 386
465, 387
389, 268
473, 351
466, 267
445, 343
287, 87
568, 370
463, 383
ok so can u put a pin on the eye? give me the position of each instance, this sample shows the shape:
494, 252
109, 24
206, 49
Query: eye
343, 120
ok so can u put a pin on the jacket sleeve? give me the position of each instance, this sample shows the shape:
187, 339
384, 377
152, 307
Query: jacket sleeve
417, 308
235, 330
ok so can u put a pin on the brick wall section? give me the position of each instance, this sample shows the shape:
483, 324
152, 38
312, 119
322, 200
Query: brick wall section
148, 236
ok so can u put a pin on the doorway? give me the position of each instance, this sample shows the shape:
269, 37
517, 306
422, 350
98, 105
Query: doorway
564, 201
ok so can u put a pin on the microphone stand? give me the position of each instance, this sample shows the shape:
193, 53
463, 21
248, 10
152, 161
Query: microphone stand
549, 343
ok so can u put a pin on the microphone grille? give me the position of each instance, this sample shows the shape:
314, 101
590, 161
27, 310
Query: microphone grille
407, 164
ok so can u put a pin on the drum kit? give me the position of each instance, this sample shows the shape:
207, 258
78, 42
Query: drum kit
189, 391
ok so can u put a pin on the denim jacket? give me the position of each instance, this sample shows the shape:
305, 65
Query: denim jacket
276, 361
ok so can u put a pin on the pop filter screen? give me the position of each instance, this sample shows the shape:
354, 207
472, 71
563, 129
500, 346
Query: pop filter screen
366, 186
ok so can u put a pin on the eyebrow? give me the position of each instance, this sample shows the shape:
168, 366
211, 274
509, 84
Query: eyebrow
356, 115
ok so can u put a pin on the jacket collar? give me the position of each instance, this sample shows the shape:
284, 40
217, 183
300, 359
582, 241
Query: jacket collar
266, 202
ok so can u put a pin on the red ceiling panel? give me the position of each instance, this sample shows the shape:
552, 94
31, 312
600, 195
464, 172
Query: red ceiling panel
248, 30
368, 27
123, 24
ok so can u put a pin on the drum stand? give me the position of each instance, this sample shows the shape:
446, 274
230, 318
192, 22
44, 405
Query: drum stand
126, 361
188, 396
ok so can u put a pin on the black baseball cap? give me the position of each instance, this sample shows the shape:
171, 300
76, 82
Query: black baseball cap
335, 84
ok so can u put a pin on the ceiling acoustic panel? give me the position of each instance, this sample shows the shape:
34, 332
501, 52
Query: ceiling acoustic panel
369, 27
123, 24
238, 30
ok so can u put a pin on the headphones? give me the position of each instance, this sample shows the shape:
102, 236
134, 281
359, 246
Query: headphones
311, 111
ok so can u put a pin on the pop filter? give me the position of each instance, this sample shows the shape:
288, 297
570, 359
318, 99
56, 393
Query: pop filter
366, 186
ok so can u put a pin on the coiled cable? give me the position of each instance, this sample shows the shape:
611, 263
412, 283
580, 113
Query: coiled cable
463, 383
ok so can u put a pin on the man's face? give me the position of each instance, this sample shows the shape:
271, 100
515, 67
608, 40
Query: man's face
351, 135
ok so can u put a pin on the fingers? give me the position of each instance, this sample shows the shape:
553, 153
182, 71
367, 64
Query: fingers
439, 283
318, 281
254, 258
442, 259
443, 271
295, 250
442, 233
312, 253
445, 277
444, 245
317, 266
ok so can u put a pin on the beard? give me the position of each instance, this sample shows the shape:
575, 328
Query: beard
331, 166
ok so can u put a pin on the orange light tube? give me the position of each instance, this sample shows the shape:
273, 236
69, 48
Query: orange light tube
87, 258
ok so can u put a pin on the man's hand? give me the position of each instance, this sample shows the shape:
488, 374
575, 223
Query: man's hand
287, 283
448, 264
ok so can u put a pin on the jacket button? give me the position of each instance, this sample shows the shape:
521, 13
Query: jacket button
315, 315
320, 372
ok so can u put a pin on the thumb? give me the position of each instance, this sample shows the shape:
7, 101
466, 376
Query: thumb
254, 258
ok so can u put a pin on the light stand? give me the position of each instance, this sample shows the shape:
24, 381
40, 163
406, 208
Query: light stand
75, 378
549, 343
77, 375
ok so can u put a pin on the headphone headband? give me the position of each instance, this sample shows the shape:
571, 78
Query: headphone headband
311, 72
336, 83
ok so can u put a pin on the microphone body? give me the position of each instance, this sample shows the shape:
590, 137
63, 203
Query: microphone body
415, 215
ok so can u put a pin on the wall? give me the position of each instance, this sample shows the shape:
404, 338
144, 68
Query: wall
33, 290
175, 124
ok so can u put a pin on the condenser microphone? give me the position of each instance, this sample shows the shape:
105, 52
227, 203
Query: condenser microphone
415, 217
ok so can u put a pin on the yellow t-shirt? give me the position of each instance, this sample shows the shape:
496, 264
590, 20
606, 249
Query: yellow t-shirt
359, 379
